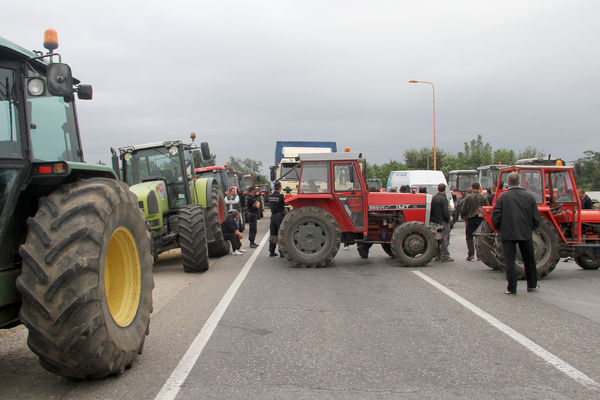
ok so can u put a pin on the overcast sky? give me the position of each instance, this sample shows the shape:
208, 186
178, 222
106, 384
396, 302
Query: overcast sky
244, 74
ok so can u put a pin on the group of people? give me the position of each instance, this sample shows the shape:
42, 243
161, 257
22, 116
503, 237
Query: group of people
231, 225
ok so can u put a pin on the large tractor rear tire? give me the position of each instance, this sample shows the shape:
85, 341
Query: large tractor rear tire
587, 261
388, 249
484, 245
215, 214
86, 281
413, 244
309, 237
192, 238
546, 245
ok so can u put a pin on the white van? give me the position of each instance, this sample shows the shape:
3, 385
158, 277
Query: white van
416, 178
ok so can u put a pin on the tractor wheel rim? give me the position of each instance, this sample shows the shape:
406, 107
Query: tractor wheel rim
413, 244
309, 237
122, 277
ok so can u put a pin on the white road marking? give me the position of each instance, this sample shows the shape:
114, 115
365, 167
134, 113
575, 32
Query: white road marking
172, 386
536, 349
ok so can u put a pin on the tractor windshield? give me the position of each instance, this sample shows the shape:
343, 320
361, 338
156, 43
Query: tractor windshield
315, 178
9, 129
154, 163
53, 129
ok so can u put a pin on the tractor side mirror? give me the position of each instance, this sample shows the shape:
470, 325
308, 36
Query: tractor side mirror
272, 172
205, 150
84, 92
59, 79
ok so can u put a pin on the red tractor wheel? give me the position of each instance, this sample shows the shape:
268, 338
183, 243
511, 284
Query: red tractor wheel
586, 261
484, 245
413, 244
309, 237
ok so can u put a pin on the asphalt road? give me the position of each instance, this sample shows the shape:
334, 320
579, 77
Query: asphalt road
359, 328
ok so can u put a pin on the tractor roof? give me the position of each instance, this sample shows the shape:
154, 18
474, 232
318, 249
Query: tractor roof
338, 156
14, 50
557, 167
462, 171
166, 144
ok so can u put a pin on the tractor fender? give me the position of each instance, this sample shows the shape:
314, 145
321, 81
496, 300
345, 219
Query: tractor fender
152, 198
201, 190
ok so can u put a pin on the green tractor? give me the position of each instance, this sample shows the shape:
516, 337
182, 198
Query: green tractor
75, 263
181, 209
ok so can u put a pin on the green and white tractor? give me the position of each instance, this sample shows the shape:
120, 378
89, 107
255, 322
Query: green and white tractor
75, 262
181, 209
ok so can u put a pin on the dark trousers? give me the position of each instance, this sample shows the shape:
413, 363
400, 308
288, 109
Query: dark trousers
252, 218
471, 226
274, 231
442, 250
235, 241
528, 256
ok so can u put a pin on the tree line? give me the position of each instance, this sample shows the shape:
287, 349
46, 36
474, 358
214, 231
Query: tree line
477, 153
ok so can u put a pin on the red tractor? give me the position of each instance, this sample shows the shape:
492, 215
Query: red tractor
565, 230
333, 206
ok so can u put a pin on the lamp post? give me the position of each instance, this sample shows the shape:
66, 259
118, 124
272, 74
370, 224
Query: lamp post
434, 148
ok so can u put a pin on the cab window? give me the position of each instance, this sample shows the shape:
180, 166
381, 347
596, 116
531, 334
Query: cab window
562, 187
314, 178
532, 181
346, 178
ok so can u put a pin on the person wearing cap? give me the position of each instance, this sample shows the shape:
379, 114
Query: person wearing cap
277, 206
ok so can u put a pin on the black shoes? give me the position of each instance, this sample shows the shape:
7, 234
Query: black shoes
509, 292
534, 289
253, 245
272, 254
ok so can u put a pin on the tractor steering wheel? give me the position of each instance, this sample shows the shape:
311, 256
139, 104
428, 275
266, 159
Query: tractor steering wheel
555, 208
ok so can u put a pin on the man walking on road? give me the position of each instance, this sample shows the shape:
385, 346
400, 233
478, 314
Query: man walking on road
277, 206
515, 216
440, 214
472, 213
253, 208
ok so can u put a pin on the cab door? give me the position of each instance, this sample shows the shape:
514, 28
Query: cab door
350, 193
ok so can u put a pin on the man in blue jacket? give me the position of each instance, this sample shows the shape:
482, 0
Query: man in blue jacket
515, 216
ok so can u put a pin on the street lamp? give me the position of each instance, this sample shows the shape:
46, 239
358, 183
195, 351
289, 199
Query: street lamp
434, 149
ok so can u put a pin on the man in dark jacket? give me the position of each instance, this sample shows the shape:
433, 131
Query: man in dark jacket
471, 211
440, 214
253, 208
586, 202
277, 206
515, 216
230, 231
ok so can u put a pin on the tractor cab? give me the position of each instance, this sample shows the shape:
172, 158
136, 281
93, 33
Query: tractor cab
170, 162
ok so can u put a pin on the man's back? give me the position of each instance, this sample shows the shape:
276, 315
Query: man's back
515, 214
439, 209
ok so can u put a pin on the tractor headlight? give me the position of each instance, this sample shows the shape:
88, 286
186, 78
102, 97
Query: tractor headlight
35, 87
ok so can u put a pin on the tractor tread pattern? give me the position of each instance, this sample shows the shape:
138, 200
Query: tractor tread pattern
62, 288
192, 238
309, 214
218, 246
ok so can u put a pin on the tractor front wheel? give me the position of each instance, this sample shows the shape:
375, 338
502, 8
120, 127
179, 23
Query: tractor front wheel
484, 245
86, 281
309, 237
588, 261
192, 238
546, 244
413, 244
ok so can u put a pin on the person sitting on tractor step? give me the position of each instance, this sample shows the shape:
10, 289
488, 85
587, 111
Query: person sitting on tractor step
515, 216
277, 206
253, 207
440, 214
472, 213
231, 232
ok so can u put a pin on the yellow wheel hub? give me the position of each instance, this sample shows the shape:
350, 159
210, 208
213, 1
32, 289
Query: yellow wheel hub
122, 277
